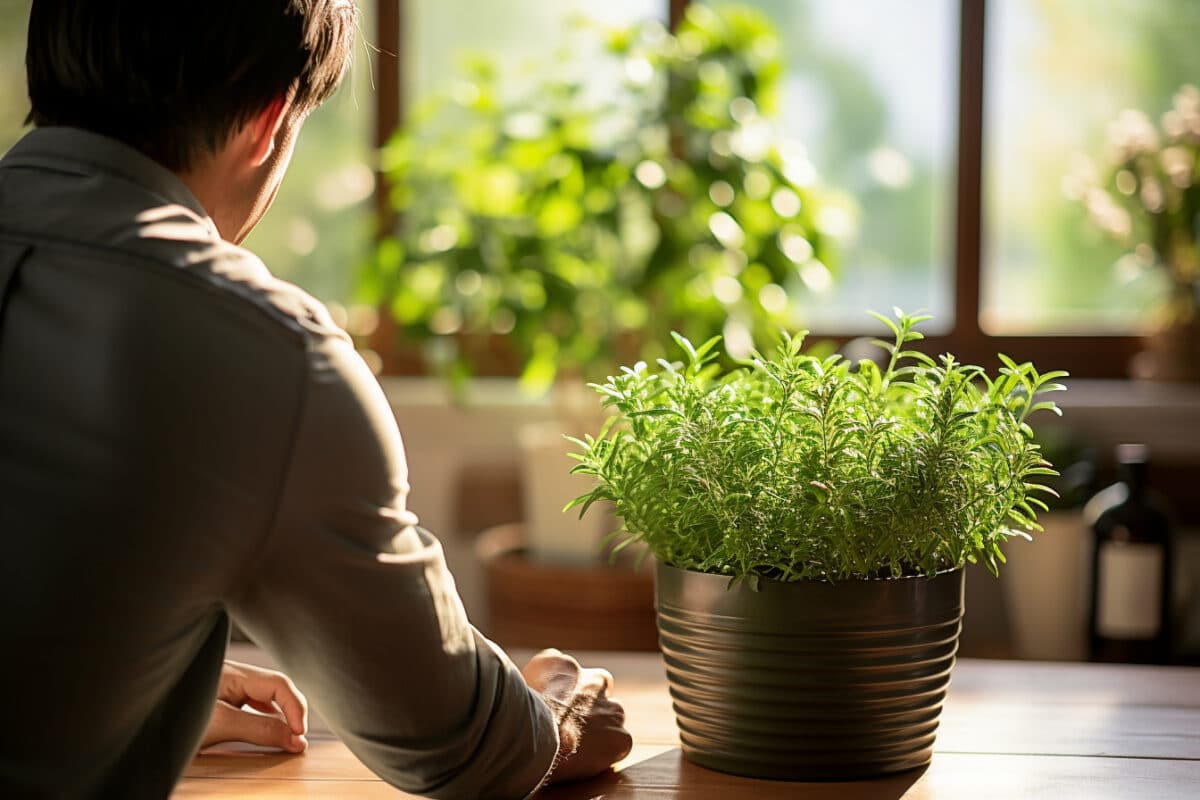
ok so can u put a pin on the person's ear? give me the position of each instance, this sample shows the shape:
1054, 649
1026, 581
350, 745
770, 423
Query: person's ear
265, 129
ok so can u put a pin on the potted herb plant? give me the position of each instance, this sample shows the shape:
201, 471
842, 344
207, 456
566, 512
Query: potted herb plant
811, 519
564, 228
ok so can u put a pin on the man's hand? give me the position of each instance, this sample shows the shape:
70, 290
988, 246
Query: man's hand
282, 722
591, 725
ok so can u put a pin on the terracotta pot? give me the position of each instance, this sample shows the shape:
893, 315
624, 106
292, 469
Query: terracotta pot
531, 603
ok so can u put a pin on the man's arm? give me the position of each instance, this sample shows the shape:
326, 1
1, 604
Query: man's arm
357, 605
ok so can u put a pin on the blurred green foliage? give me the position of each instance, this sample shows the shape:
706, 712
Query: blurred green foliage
581, 222
319, 227
14, 97
318, 230
1146, 195
901, 251
1075, 64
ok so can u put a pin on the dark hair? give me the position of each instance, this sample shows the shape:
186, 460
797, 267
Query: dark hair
176, 80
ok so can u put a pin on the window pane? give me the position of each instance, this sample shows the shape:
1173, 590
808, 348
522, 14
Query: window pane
1058, 72
14, 96
518, 35
319, 229
871, 92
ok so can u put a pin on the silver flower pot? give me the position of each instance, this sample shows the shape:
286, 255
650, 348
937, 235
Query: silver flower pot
808, 680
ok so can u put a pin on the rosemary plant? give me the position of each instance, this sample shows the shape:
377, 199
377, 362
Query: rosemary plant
796, 467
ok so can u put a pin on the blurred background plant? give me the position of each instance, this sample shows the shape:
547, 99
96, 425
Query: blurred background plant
1145, 195
871, 88
1059, 72
580, 221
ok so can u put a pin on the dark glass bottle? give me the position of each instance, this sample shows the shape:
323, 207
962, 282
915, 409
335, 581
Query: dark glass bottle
1130, 618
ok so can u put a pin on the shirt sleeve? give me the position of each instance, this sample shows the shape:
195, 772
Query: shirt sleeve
355, 603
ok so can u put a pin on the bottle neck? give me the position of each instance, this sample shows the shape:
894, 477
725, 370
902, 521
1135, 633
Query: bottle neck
1133, 475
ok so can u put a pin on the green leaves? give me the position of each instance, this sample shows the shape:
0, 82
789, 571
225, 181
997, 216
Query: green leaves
794, 467
602, 222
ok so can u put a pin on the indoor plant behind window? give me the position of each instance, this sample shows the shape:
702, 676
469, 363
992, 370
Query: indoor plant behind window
635, 187
560, 230
811, 520
1146, 196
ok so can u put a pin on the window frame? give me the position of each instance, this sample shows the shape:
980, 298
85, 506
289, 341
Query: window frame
1095, 356
1091, 356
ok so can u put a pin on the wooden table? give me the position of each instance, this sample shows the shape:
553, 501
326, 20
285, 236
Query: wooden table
1012, 730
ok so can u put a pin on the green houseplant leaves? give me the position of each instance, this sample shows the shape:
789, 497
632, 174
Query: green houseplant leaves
576, 231
796, 467
1146, 196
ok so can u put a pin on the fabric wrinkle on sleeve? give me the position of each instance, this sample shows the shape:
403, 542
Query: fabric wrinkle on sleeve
356, 603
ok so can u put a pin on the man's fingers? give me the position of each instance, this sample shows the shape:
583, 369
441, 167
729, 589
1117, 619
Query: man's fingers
275, 695
272, 687
553, 674
553, 661
624, 744
610, 710
231, 724
259, 705
592, 733
264, 690
603, 741
268, 731
598, 675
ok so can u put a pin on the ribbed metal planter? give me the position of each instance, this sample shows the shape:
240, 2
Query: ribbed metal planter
808, 680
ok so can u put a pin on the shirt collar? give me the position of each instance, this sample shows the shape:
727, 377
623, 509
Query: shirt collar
91, 153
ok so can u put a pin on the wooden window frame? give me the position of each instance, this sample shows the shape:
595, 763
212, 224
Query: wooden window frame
1083, 356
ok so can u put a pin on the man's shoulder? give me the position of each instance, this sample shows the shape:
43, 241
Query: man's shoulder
187, 246
240, 277
148, 237
167, 258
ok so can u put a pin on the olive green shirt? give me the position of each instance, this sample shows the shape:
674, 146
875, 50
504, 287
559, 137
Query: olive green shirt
184, 436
